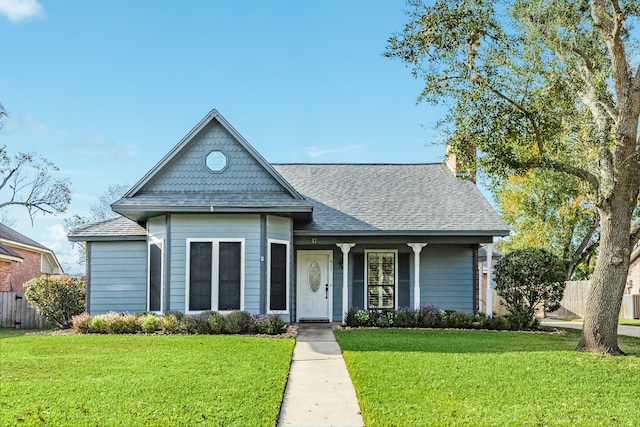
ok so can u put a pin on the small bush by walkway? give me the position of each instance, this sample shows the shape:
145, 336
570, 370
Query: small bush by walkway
487, 378
142, 380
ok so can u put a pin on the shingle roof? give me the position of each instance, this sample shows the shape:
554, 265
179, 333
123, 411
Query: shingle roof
8, 252
7, 233
424, 198
118, 228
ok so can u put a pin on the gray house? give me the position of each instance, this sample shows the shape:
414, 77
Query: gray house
214, 226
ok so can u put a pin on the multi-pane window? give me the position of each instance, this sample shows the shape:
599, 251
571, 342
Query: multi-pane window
381, 280
215, 275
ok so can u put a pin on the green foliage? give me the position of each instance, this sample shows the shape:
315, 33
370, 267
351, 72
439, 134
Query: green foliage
58, 299
547, 209
172, 323
271, 324
528, 280
426, 317
149, 323
81, 323
142, 380
216, 323
237, 322
99, 324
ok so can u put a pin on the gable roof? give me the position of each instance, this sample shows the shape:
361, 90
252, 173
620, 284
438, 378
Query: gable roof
181, 183
117, 228
10, 237
418, 199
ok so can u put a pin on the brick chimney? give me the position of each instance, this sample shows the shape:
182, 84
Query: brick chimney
459, 167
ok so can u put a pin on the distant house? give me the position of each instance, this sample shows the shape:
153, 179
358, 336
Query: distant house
22, 259
214, 226
633, 279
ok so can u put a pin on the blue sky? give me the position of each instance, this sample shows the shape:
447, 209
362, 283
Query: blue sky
105, 89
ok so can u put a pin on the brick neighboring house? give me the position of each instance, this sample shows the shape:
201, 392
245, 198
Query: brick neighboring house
22, 259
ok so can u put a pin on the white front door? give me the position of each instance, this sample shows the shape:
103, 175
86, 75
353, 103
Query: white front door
315, 285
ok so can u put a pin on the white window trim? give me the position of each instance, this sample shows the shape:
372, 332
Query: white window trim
155, 241
288, 280
366, 276
215, 273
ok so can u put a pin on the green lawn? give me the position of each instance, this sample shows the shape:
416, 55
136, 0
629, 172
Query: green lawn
120, 380
489, 378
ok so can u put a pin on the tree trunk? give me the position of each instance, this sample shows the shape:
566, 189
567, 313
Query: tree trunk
600, 330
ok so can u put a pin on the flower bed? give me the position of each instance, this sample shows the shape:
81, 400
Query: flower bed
174, 322
426, 317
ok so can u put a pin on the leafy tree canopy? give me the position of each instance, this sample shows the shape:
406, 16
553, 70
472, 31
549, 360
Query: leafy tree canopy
543, 85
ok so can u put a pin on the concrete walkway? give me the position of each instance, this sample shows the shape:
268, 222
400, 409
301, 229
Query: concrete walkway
319, 390
632, 331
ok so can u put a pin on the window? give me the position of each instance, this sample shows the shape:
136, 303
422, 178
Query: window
216, 161
278, 276
154, 291
215, 274
381, 279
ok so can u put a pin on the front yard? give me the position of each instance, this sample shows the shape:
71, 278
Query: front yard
123, 380
489, 378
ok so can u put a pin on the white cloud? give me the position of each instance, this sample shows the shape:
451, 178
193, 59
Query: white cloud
29, 122
96, 144
335, 151
21, 10
55, 238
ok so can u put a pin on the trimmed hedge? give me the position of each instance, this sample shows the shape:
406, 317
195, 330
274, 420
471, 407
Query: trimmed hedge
175, 322
426, 317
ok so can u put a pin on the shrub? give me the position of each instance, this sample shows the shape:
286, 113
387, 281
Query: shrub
149, 323
406, 318
171, 323
98, 324
57, 299
271, 324
528, 280
430, 316
121, 323
237, 322
216, 323
81, 323
457, 319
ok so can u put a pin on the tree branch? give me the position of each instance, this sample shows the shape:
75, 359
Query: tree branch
529, 115
584, 175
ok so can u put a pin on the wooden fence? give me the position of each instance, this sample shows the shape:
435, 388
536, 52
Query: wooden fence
15, 312
574, 300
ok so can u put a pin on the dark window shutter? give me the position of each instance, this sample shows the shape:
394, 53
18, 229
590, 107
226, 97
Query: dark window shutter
358, 281
404, 279
155, 276
229, 276
278, 285
200, 276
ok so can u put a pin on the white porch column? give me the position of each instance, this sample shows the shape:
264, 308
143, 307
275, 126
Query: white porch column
489, 308
481, 300
346, 247
417, 248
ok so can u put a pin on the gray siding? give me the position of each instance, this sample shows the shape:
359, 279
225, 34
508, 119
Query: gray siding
446, 277
118, 277
279, 228
188, 171
212, 226
156, 227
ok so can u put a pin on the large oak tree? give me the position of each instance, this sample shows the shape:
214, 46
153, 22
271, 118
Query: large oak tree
541, 84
